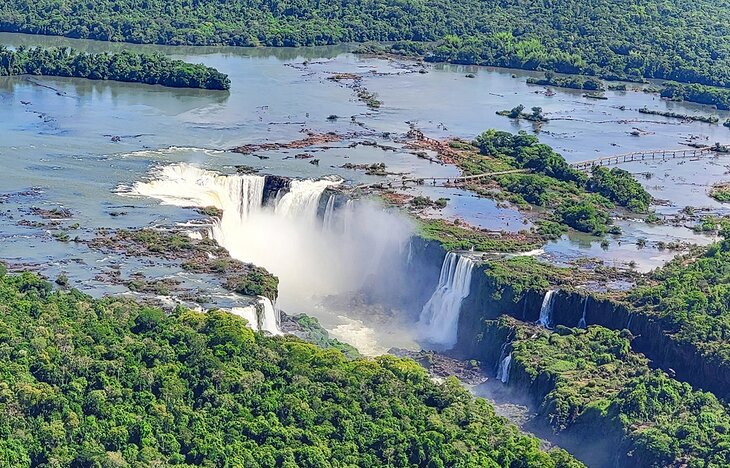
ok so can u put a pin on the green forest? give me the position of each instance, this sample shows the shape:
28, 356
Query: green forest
664, 39
593, 377
126, 66
111, 382
691, 295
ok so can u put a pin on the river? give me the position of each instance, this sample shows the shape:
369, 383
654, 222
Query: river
57, 145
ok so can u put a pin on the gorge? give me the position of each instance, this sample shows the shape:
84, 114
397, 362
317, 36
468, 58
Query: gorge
574, 327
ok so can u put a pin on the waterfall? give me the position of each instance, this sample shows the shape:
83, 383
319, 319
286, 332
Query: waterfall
329, 214
439, 318
348, 215
582, 321
261, 316
186, 185
628, 324
546, 310
286, 237
504, 368
302, 200
268, 316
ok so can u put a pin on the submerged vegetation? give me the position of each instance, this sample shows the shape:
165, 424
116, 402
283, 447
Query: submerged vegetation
517, 113
122, 66
112, 383
675, 115
721, 193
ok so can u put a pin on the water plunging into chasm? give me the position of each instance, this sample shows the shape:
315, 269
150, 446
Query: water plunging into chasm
313, 258
503, 369
261, 316
546, 310
439, 318
582, 321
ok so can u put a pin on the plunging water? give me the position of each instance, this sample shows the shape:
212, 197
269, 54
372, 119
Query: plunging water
504, 368
439, 318
582, 321
311, 261
261, 316
328, 220
546, 310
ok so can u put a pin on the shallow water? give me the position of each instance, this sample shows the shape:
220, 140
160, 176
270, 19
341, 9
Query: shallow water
56, 136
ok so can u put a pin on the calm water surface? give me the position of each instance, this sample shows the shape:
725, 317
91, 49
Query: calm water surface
56, 142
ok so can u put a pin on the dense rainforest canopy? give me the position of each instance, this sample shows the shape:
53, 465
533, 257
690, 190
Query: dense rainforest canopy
596, 379
666, 39
113, 383
122, 66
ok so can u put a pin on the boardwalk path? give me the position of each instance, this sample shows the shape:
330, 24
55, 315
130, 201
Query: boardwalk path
647, 155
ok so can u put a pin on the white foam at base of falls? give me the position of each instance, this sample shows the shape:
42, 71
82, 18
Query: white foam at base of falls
287, 238
439, 318
546, 310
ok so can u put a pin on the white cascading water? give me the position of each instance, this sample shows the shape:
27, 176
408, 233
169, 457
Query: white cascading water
546, 310
261, 316
439, 318
504, 368
328, 220
287, 238
582, 321
628, 323
302, 199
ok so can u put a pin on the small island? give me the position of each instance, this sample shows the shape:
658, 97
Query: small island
132, 67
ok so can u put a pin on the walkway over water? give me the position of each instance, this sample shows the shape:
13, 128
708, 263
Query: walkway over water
647, 155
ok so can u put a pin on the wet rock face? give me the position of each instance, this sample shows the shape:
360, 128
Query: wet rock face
681, 360
275, 186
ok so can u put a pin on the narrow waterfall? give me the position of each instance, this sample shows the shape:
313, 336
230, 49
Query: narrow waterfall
582, 321
546, 310
628, 323
261, 316
504, 368
328, 220
348, 218
409, 258
439, 318
268, 316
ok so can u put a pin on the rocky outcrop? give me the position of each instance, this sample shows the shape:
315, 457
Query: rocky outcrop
487, 302
275, 187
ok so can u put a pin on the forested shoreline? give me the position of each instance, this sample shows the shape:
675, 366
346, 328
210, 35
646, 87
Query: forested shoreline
661, 39
112, 382
154, 69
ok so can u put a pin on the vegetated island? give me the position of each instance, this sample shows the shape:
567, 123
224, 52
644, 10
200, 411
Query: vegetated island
675, 115
531, 174
586, 83
127, 66
111, 382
